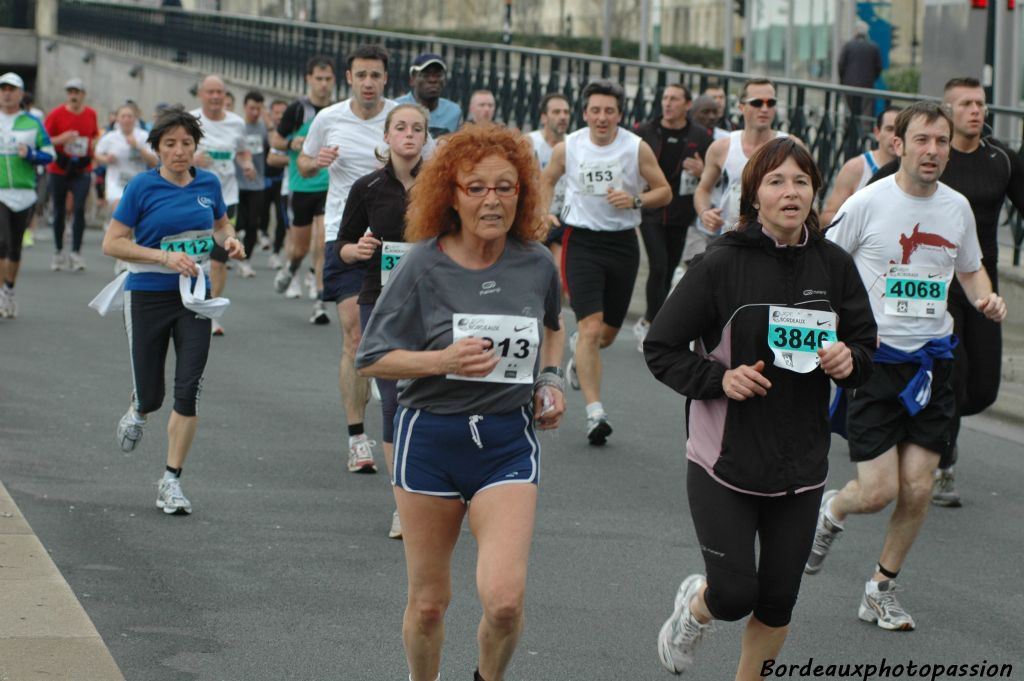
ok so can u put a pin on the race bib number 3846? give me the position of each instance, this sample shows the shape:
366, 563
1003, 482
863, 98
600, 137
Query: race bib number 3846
795, 335
514, 339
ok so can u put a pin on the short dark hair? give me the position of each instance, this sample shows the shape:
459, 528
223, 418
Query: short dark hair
253, 96
966, 81
930, 111
763, 161
278, 101
687, 95
376, 52
605, 87
881, 115
754, 81
547, 100
174, 117
321, 61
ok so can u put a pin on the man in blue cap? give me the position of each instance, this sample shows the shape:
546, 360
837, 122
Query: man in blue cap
426, 78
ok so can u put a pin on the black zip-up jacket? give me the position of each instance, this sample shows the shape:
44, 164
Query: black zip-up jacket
696, 140
777, 444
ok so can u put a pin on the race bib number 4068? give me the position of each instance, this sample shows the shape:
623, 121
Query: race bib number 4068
795, 335
916, 290
514, 339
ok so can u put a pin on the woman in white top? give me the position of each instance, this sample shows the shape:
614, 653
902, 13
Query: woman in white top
125, 153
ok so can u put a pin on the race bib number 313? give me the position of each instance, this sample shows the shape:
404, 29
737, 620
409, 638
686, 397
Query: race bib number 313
795, 335
916, 290
514, 339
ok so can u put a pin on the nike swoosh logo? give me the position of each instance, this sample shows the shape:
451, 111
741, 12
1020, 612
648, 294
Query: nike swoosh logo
824, 323
521, 328
934, 276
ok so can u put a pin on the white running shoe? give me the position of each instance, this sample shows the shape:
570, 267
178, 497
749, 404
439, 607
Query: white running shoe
246, 270
570, 367
825, 532
77, 262
170, 498
598, 429
283, 280
215, 328
396, 526
129, 430
59, 262
294, 287
319, 314
640, 330
881, 608
310, 282
264, 242
360, 454
274, 261
8, 306
682, 633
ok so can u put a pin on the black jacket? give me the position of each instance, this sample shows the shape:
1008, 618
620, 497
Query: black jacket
696, 140
779, 443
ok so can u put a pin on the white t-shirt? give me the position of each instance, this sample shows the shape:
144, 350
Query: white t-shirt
222, 140
542, 150
357, 141
127, 161
590, 170
883, 227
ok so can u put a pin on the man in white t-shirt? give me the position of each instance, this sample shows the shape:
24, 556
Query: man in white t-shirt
344, 138
909, 235
222, 144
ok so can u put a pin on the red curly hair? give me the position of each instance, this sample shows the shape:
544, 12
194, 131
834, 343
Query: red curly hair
431, 209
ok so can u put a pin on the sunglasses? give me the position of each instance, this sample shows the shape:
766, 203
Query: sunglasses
758, 103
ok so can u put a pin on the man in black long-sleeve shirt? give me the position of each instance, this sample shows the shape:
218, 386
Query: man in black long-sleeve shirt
986, 172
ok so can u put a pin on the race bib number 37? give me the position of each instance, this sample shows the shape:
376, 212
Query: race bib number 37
514, 339
391, 253
916, 290
795, 335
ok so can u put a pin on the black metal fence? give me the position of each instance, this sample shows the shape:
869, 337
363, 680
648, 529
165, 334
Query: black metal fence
17, 14
273, 53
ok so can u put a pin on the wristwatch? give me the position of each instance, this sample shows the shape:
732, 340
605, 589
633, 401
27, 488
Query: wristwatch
557, 371
638, 202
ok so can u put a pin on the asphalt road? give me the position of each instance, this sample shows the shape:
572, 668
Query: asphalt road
284, 571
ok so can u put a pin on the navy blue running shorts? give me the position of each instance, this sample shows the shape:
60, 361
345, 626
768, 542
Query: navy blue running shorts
341, 281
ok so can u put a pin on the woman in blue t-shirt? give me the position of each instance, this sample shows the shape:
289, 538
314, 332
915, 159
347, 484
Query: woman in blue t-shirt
164, 227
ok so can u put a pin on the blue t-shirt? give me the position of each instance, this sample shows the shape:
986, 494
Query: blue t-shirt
156, 208
446, 118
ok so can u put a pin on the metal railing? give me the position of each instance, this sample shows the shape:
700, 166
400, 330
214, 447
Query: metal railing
272, 53
17, 14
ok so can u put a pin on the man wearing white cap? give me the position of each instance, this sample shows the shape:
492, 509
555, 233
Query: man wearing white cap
73, 129
427, 77
23, 145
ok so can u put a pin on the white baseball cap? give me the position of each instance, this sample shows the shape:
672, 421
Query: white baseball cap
12, 78
75, 84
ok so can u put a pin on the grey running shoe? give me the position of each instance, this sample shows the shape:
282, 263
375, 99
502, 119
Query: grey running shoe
360, 454
640, 330
396, 527
77, 262
246, 270
8, 308
310, 282
882, 608
59, 262
129, 430
824, 534
682, 633
282, 279
944, 489
319, 314
598, 429
570, 367
170, 497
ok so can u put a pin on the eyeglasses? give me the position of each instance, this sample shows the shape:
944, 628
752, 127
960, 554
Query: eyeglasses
479, 191
758, 103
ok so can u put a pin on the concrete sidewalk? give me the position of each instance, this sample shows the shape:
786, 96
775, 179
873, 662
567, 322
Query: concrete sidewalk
45, 634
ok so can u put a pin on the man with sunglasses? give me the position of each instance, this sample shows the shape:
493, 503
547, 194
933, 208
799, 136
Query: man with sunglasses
606, 169
757, 105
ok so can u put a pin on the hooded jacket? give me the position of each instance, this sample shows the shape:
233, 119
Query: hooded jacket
777, 444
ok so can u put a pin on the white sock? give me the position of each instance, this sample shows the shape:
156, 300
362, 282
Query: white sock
871, 587
594, 408
828, 514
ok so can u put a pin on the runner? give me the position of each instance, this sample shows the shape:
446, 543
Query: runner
468, 320
73, 129
757, 105
606, 169
343, 139
705, 112
680, 149
987, 172
165, 215
373, 233
482, 107
908, 234
251, 199
223, 143
554, 122
125, 153
427, 78
275, 199
309, 193
23, 147
858, 171
766, 307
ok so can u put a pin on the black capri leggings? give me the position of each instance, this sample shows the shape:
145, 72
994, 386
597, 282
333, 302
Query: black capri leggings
664, 246
152, 319
727, 522
12, 231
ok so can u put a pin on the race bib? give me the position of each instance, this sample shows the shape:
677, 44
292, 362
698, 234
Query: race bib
197, 244
687, 184
515, 339
796, 334
8, 145
78, 146
597, 177
254, 144
390, 253
223, 162
916, 290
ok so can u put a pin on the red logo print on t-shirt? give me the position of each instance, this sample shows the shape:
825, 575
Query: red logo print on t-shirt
911, 243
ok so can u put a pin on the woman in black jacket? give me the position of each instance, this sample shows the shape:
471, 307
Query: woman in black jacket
774, 311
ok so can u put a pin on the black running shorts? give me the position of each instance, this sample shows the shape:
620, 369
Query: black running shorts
306, 206
600, 270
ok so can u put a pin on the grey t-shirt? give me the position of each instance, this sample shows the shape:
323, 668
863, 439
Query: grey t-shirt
255, 143
415, 313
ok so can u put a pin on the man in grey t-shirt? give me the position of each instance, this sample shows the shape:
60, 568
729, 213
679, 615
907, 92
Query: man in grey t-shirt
251, 183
